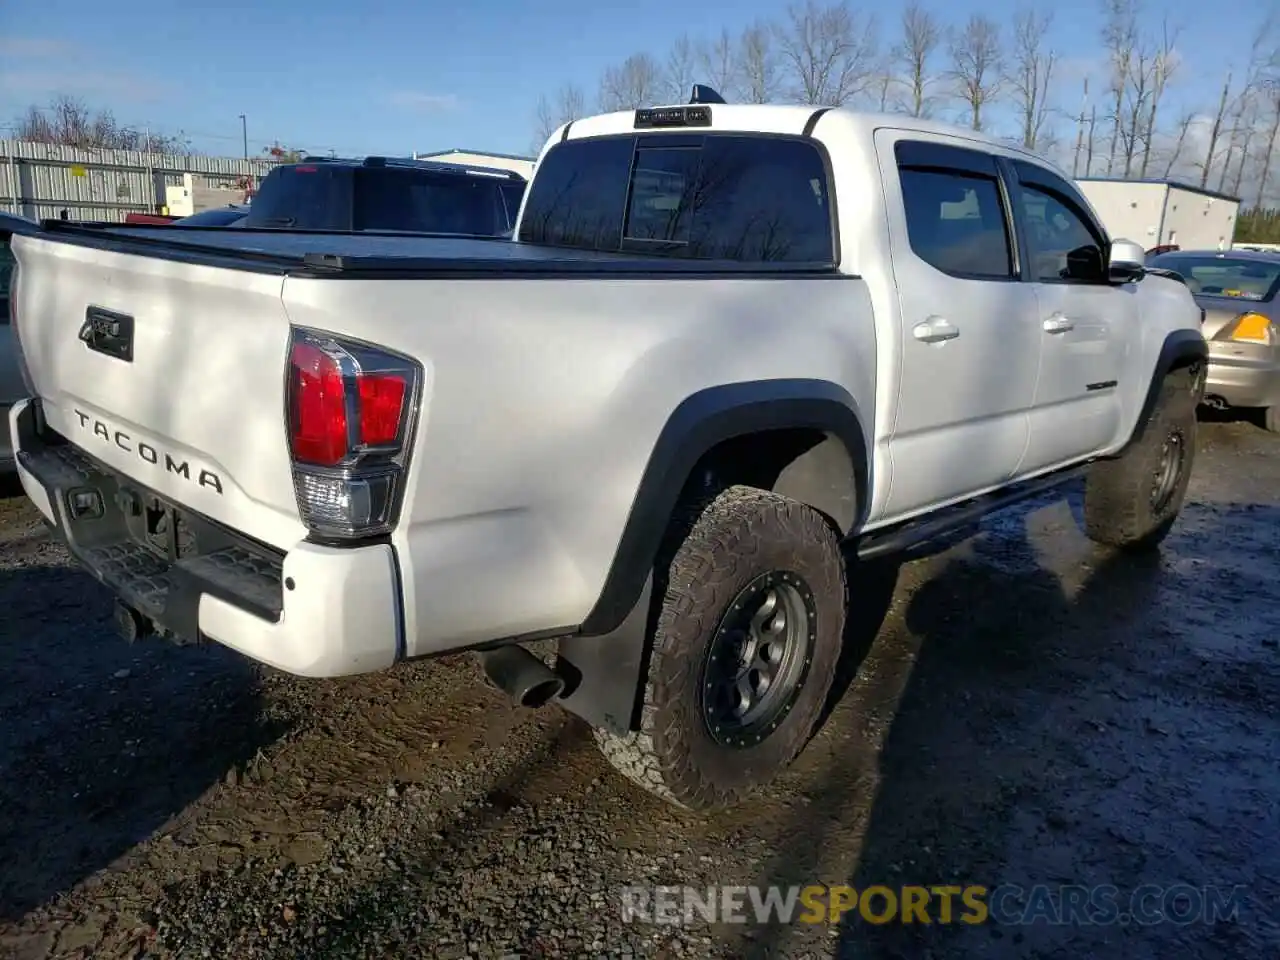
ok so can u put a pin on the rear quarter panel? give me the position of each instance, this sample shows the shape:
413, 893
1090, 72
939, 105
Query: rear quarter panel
542, 403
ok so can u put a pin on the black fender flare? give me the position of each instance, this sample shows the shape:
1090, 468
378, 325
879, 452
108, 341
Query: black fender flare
1181, 348
703, 420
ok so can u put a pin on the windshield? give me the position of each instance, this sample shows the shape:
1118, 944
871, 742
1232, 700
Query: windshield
1234, 278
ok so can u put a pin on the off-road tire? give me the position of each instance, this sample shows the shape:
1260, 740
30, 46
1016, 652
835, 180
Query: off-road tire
716, 550
1119, 507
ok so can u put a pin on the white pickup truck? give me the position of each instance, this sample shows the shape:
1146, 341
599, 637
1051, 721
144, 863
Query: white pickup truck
731, 350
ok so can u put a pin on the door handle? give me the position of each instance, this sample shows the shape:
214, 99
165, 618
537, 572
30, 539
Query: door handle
934, 330
1058, 324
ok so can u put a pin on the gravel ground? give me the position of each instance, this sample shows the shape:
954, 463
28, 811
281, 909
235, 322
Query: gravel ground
1031, 710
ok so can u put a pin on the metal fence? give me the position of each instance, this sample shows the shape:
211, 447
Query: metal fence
41, 180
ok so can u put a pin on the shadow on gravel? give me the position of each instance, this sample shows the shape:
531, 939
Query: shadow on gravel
396, 898
1251, 415
101, 742
968, 758
10, 486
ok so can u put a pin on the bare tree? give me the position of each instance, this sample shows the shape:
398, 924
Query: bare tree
1239, 128
758, 64
976, 65
68, 122
882, 86
568, 104
1093, 124
1215, 132
1245, 128
1080, 125
1120, 37
830, 51
680, 71
1164, 65
1184, 125
914, 53
635, 83
1268, 156
1261, 60
1137, 97
718, 62
1031, 73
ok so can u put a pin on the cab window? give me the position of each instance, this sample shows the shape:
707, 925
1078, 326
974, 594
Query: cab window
1063, 245
751, 199
956, 223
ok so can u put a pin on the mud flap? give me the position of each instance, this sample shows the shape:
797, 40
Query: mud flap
605, 673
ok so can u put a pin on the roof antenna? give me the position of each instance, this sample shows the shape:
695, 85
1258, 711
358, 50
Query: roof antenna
705, 94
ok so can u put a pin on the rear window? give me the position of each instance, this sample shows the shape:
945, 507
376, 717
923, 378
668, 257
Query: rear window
1224, 276
391, 199
310, 197
339, 197
747, 198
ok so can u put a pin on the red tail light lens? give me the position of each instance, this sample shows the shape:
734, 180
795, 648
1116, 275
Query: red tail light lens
318, 407
350, 410
321, 418
381, 408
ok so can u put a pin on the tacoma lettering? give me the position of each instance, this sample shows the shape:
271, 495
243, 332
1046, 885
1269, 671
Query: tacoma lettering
148, 453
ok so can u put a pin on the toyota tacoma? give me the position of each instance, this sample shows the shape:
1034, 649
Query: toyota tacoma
731, 350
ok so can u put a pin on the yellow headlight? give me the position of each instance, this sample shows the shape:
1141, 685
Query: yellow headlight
1252, 326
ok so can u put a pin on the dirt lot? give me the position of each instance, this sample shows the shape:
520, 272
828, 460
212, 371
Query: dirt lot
1033, 710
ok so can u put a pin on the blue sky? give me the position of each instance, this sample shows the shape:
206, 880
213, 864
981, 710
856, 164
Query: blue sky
395, 77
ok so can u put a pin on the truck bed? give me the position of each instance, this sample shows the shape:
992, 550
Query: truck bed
388, 255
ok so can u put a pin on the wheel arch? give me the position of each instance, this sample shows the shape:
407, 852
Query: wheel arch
801, 438
1183, 349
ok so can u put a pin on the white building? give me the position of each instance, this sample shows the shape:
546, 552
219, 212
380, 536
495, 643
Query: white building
1163, 212
479, 158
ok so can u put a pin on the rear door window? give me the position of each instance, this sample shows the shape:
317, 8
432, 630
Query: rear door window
752, 199
956, 223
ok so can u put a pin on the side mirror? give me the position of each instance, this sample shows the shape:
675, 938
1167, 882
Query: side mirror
1128, 261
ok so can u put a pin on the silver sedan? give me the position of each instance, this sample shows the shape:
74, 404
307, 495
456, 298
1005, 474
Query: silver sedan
1237, 289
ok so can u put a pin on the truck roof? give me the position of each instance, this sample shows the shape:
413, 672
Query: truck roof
789, 119
451, 168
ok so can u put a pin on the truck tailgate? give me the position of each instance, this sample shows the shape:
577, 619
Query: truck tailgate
171, 373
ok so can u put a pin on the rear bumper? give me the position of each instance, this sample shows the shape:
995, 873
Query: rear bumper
314, 611
1244, 375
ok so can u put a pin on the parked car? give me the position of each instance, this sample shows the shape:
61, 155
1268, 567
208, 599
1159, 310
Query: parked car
12, 388
148, 218
729, 347
1237, 290
216, 217
387, 194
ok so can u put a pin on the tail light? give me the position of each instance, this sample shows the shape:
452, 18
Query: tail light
1252, 327
351, 410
